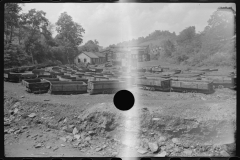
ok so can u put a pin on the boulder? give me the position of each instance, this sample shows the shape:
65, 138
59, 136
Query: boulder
153, 147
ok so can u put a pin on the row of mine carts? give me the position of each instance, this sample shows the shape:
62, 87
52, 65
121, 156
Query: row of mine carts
76, 80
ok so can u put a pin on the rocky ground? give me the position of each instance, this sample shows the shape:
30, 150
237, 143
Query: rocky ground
162, 124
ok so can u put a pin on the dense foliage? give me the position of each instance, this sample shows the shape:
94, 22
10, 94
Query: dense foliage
28, 37
215, 45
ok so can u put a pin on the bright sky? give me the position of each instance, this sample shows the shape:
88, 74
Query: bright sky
111, 23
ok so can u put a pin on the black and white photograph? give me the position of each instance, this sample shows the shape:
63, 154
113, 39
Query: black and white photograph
120, 79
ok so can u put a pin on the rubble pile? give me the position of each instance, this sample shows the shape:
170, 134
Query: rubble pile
94, 129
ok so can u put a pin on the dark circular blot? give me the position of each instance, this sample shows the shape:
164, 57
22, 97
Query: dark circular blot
123, 100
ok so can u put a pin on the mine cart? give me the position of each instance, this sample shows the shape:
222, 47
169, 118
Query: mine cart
195, 86
186, 75
154, 83
12, 77
105, 87
38, 71
220, 81
26, 81
50, 79
157, 69
63, 87
37, 87
27, 76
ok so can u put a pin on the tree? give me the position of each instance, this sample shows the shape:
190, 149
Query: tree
69, 35
168, 47
221, 27
35, 24
11, 17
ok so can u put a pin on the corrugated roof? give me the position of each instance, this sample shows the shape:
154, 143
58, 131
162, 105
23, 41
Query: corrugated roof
90, 54
100, 54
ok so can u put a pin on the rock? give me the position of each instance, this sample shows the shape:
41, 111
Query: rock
224, 154
90, 132
76, 144
11, 111
52, 125
162, 139
46, 99
98, 149
65, 120
162, 154
64, 128
187, 152
48, 147
75, 131
55, 148
15, 111
77, 136
32, 115
71, 126
156, 119
38, 145
88, 138
63, 139
69, 138
177, 150
204, 99
22, 96
6, 123
114, 154
17, 104
17, 131
62, 145
24, 127
175, 140
153, 147
11, 130
142, 151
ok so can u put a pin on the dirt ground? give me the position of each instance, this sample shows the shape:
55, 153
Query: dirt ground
160, 124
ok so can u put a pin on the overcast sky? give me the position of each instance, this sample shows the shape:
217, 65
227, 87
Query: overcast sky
111, 23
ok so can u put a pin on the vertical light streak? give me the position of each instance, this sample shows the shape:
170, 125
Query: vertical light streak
131, 117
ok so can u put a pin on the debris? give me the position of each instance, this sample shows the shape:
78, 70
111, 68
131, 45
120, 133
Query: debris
38, 145
32, 115
75, 131
77, 136
98, 149
156, 119
71, 126
15, 111
63, 139
65, 120
88, 138
114, 154
17, 104
11, 130
175, 140
162, 139
162, 154
55, 148
24, 127
17, 131
187, 152
224, 154
69, 138
142, 151
153, 147
46, 99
